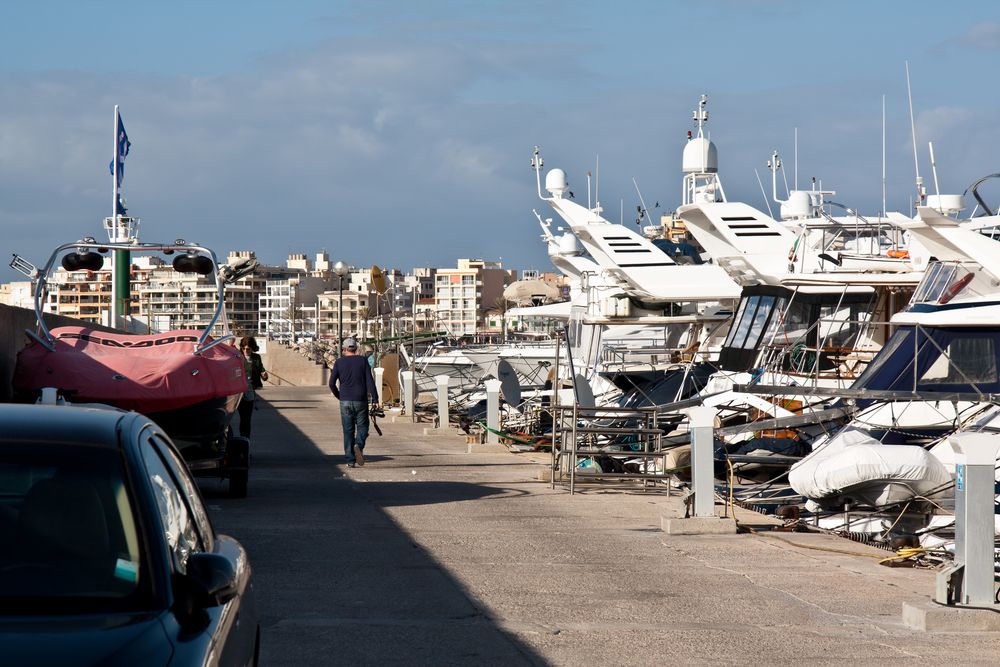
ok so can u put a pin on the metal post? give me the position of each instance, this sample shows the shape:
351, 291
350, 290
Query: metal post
702, 425
409, 395
340, 316
492, 411
442, 396
976, 456
572, 451
557, 426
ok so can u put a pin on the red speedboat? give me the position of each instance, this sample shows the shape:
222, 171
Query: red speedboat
191, 394
187, 381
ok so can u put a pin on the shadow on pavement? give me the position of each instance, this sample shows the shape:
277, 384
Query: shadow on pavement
338, 581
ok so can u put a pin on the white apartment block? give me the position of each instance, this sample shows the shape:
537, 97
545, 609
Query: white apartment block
465, 294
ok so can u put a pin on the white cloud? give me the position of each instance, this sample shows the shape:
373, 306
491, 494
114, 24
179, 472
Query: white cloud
984, 36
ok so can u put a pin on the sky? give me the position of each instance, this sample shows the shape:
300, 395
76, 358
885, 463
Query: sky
401, 133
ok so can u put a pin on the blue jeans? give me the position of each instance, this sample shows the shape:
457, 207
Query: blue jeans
354, 418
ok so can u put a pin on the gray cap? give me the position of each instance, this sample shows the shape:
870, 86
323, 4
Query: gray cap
350, 343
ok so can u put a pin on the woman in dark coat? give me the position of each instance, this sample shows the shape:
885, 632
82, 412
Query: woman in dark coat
256, 376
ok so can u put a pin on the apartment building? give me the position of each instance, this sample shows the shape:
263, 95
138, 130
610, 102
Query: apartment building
463, 295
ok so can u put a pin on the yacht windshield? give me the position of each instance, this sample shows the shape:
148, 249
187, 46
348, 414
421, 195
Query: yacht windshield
69, 534
779, 317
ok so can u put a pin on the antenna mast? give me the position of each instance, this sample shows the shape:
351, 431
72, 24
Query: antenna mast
796, 158
921, 192
883, 156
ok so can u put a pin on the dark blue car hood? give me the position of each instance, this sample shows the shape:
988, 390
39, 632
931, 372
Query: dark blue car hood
84, 641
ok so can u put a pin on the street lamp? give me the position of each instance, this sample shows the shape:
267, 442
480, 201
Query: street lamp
341, 270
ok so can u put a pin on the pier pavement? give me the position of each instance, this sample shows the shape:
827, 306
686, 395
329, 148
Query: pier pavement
430, 555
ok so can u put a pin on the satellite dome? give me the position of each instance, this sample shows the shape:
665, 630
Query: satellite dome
568, 246
700, 157
950, 205
555, 182
798, 206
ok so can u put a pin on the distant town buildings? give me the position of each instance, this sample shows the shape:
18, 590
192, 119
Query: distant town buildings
303, 300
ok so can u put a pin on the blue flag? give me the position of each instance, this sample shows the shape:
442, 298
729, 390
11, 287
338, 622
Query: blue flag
121, 150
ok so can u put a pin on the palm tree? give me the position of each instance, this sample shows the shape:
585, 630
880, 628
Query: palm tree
500, 307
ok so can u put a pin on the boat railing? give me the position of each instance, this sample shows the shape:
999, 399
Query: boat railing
967, 389
623, 357
630, 436
830, 348
87, 244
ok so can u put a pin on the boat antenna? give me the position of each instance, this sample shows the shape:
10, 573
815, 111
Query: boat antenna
546, 226
589, 207
645, 210
883, 156
763, 193
537, 163
796, 160
597, 184
937, 190
774, 164
921, 192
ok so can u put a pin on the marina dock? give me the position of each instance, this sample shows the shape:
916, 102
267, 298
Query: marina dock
431, 555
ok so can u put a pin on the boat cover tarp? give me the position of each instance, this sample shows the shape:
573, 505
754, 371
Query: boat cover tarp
853, 466
148, 374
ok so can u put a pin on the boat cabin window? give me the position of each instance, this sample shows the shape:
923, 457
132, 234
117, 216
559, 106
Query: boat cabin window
953, 359
751, 320
943, 281
964, 361
832, 319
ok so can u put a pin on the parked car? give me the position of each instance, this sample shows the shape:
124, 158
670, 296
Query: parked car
107, 555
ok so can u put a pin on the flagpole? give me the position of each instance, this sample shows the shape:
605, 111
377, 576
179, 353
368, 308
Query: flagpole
115, 305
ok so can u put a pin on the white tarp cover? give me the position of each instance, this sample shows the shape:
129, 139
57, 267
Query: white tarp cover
853, 465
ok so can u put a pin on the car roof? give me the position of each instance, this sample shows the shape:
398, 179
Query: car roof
60, 423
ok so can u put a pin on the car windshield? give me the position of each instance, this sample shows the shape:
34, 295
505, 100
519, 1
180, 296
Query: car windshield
69, 540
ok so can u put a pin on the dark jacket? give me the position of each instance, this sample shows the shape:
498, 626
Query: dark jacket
256, 370
351, 379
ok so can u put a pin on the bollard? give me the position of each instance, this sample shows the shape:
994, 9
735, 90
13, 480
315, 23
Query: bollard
378, 374
409, 395
970, 580
493, 411
703, 519
442, 396
702, 426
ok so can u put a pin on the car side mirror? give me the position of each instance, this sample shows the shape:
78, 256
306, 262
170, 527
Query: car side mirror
212, 579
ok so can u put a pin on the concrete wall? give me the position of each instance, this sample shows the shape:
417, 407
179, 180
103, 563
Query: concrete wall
13, 322
286, 367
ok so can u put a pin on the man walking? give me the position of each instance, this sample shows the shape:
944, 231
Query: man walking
351, 381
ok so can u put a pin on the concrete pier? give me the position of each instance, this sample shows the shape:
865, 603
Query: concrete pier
431, 555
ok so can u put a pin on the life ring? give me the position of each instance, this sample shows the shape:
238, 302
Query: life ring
898, 254
955, 288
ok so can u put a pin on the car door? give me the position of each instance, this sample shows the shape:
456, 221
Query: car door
234, 624
224, 639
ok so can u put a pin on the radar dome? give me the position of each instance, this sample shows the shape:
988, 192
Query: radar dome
568, 246
555, 182
797, 206
700, 157
950, 205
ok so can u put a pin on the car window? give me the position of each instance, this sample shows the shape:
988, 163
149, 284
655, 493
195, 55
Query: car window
191, 493
178, 524
69, 539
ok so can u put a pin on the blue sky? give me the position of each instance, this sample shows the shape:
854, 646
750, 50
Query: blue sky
400, 133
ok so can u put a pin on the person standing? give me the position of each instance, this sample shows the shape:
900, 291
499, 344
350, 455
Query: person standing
253, 365
351, 381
